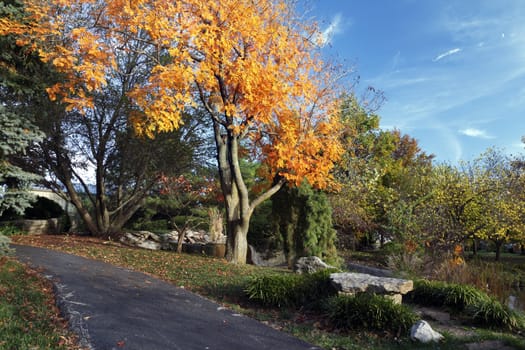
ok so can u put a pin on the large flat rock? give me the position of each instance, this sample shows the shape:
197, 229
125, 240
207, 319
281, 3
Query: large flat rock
352, 282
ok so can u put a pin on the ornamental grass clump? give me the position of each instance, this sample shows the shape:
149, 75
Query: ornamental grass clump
274, 290
455, 296
369, 311
478, 306
461, 297
493, 314
291, 289
429, 293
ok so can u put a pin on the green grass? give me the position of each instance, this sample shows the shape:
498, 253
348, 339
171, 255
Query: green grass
226, 284
28, 318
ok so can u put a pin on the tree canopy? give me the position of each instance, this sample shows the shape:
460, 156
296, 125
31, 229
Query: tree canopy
250, 65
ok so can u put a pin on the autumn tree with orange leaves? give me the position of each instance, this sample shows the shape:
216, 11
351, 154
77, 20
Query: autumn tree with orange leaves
249, 64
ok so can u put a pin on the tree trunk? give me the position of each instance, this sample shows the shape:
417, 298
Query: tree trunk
498, 249
239, 209
182, 234
237, 243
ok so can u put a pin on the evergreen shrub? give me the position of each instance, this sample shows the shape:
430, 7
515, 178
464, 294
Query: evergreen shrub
302, 216
10, 230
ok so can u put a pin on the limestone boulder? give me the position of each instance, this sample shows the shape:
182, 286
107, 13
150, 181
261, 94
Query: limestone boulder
142, 239
168, 241
423, 332
310, 264
353, 282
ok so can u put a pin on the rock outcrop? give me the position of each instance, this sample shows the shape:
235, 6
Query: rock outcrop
168, 241
142, 239
352, 283
310, 264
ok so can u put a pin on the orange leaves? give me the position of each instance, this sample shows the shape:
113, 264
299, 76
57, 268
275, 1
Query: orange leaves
60, 32
252, 54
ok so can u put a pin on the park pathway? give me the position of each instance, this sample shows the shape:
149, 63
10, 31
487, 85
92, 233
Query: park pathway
114, 308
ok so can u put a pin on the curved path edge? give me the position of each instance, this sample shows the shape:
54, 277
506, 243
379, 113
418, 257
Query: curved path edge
112, 308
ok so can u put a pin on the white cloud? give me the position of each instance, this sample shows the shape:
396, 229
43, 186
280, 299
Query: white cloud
472, 132
333, 28
445, 54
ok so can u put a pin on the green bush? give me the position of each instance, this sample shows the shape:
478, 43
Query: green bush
157, 226
291, 289
455, 296
479, 307
369, 311
10, 230
302, 216
5, 249
427, 293
317, 287
274, 290
493, 314
460, 296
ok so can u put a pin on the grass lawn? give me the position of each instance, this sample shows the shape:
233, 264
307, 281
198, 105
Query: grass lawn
28, 316
225, 283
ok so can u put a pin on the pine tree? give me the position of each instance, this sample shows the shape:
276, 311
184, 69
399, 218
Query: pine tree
16, 133
19, 78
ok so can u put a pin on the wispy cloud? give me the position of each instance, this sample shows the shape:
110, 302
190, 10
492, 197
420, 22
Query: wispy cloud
335, 27
472, 132
445, 54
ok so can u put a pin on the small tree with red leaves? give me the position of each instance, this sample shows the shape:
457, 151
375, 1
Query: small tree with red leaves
185, 194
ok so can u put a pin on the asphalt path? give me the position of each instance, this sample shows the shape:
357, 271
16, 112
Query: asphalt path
114, 308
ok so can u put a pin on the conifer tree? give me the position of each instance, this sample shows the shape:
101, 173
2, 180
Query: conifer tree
16, 130
303, 217
16, 133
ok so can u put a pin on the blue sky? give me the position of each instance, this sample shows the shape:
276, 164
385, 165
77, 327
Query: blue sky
453, 72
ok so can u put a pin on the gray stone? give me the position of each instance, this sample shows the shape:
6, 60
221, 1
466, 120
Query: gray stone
268, 259
151, 245
144, 235
396, 298
166, 241
38, 227
423, 332
142, 239
310, 264
352, 282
